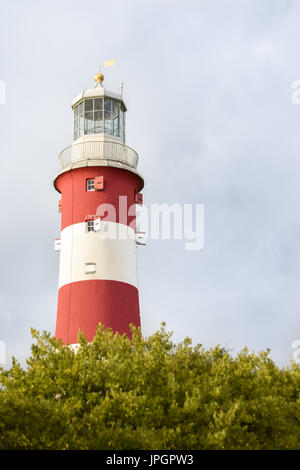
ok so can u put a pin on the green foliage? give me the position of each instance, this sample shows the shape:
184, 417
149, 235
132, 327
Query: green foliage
117, 394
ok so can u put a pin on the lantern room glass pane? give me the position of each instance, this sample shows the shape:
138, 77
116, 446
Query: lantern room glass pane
98, 104
81, 125
107, 108
76, 130
99, 116
89, 123
116, 118
99, 127
108, 127
122, 114
88, 105
99, 124
116, 127
115, 108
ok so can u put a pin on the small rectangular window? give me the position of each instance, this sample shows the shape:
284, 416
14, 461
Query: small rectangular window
90, 185
90, 226
90, 268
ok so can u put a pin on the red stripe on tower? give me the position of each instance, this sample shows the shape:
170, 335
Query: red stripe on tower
99, 186
104, 301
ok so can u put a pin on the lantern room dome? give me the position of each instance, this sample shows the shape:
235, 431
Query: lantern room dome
98, 91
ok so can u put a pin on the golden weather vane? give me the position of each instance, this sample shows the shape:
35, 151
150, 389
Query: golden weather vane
99, 77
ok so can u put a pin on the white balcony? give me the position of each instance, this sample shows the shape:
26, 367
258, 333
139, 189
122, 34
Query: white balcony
97, 150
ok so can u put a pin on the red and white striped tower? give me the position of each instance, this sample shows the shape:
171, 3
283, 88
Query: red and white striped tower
98, 272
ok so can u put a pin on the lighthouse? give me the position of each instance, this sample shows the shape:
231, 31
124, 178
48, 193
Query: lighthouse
100, 189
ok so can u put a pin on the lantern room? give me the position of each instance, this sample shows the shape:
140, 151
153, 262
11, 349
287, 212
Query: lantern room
99, 111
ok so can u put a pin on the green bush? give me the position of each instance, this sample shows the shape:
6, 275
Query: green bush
118, 394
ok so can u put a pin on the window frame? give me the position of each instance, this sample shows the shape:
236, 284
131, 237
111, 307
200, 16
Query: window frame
90, 185
90, 226
86, 268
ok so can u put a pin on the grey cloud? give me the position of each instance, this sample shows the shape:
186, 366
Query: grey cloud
208, 88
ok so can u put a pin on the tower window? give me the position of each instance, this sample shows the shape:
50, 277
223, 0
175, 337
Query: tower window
90, 268
90, 185
90, 226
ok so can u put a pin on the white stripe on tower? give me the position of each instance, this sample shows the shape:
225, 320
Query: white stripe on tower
109, 258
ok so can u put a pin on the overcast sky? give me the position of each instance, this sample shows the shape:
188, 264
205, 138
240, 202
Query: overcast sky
208, 90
